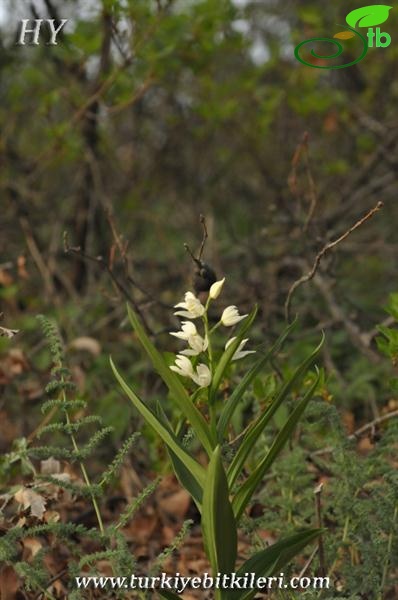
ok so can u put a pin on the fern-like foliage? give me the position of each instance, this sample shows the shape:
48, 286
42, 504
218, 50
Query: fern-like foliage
66, 422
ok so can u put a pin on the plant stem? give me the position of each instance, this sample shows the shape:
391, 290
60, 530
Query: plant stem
84, 472
212, 410
389, 548
208, 335
213, 419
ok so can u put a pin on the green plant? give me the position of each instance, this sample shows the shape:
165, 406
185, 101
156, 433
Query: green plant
360, 493
106, 541
221, 490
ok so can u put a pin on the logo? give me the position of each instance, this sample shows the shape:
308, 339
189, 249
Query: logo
368, 17
34, 33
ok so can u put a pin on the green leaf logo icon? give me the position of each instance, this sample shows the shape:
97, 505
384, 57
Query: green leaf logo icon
368, 16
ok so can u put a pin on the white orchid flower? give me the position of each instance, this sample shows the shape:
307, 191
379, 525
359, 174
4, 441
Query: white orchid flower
183, 366
202, 377
188, 329
193, 308
231, 316
197, 345
190, 334
216, 288
240, 353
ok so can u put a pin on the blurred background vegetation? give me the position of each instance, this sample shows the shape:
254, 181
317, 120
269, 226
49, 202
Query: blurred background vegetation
150, 113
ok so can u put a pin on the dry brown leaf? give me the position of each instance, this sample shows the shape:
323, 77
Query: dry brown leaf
176, 504
348, 421
344, 35
16, 362
54, 491
142, 527
86, 343
50, 466
8, 429
21, 264
129, 481
51, 516
5, 278
365, 445
8, 333
31, 547
9, 583
32, 500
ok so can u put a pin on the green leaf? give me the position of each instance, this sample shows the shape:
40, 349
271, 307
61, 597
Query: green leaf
218, 521
246, 491
168, 437
232, 402
368, 16
183, 473
257, 428
177, 390
229, 352
392, 307
271, 560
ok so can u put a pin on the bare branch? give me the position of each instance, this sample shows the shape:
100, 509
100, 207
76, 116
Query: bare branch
205, 236
329, 246
99, 260
359, 432
302, 150
318, 510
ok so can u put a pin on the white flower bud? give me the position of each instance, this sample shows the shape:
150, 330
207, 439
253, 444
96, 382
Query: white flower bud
216, 288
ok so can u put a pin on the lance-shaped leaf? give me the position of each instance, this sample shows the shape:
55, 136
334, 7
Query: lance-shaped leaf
194, 467
270, 561
368, 16
184, 474
177, 390
232, 402
218, 521
258, 427
229, 352
246, 491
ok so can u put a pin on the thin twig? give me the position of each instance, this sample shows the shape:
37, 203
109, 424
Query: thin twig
321, 254
312, 191
318, 509
368, 336
372, 424
122, 247
302, 151
38, 259
198, 260
357, 434
51, 581
115, 108
308, 563
99, 260
205, 236
353, 331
